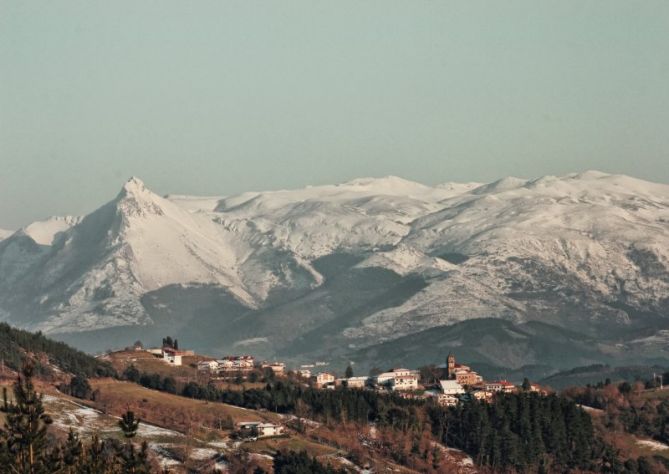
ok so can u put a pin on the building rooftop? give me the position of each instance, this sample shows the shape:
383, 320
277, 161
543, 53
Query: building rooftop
450, 385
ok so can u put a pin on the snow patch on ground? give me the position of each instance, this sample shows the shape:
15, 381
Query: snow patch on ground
654, 445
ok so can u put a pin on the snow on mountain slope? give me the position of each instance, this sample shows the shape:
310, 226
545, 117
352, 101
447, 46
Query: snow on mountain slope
577, 251
96, 272
362, 214
589, 240
44, 232
4, 233
195, 203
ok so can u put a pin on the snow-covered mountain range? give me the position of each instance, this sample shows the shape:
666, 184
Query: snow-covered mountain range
343, 268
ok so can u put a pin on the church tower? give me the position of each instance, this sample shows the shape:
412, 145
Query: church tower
450, 364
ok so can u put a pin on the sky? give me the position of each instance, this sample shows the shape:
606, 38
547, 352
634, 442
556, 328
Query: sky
219, 97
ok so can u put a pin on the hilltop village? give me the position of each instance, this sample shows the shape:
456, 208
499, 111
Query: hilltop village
446, 385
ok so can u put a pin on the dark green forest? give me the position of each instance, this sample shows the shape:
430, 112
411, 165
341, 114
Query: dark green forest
521, 431
16, 345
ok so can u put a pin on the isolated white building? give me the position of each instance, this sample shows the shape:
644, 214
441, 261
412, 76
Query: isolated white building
264, 430
172, 356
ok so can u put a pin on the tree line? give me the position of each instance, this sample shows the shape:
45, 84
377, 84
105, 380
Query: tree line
16, 345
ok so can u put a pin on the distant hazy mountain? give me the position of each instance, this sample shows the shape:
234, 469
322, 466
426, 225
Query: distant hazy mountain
334, 271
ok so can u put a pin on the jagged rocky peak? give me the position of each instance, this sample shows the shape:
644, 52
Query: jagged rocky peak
134, 187
135, 199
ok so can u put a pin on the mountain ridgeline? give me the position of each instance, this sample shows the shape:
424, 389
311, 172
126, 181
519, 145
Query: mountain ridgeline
545, 274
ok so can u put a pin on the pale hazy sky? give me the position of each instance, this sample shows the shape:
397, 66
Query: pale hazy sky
218, 97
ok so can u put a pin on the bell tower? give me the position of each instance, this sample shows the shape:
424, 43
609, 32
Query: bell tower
450, 365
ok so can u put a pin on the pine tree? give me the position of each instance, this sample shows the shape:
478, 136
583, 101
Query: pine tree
135, 462
73, 453
95, 460
349, 372
129, 424
80, 388
24, 435
132, 373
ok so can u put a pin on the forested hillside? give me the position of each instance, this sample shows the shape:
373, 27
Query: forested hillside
17, 345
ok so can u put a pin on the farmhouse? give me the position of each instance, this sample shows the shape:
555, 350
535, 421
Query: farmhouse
259, 429
172, 356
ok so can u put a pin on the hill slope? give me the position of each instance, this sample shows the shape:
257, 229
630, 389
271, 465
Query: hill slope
16, 346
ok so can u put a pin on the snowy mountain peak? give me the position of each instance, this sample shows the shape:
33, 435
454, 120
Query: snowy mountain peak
375, 258
135, 199
134, 187
385, 181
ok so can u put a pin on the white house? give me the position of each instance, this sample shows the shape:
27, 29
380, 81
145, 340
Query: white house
500, 386
386, 377
356, 382
323, 379
207, 365
277, 367
441, 398
269, 429
172, 356
404, 382
451, 387
242, 363
263, 430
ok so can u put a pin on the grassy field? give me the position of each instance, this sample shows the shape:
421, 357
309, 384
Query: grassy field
147, 362
162, 407
272, 445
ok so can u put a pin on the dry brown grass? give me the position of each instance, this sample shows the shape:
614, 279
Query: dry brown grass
147, 362
228, 385
167, 410
296, 443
